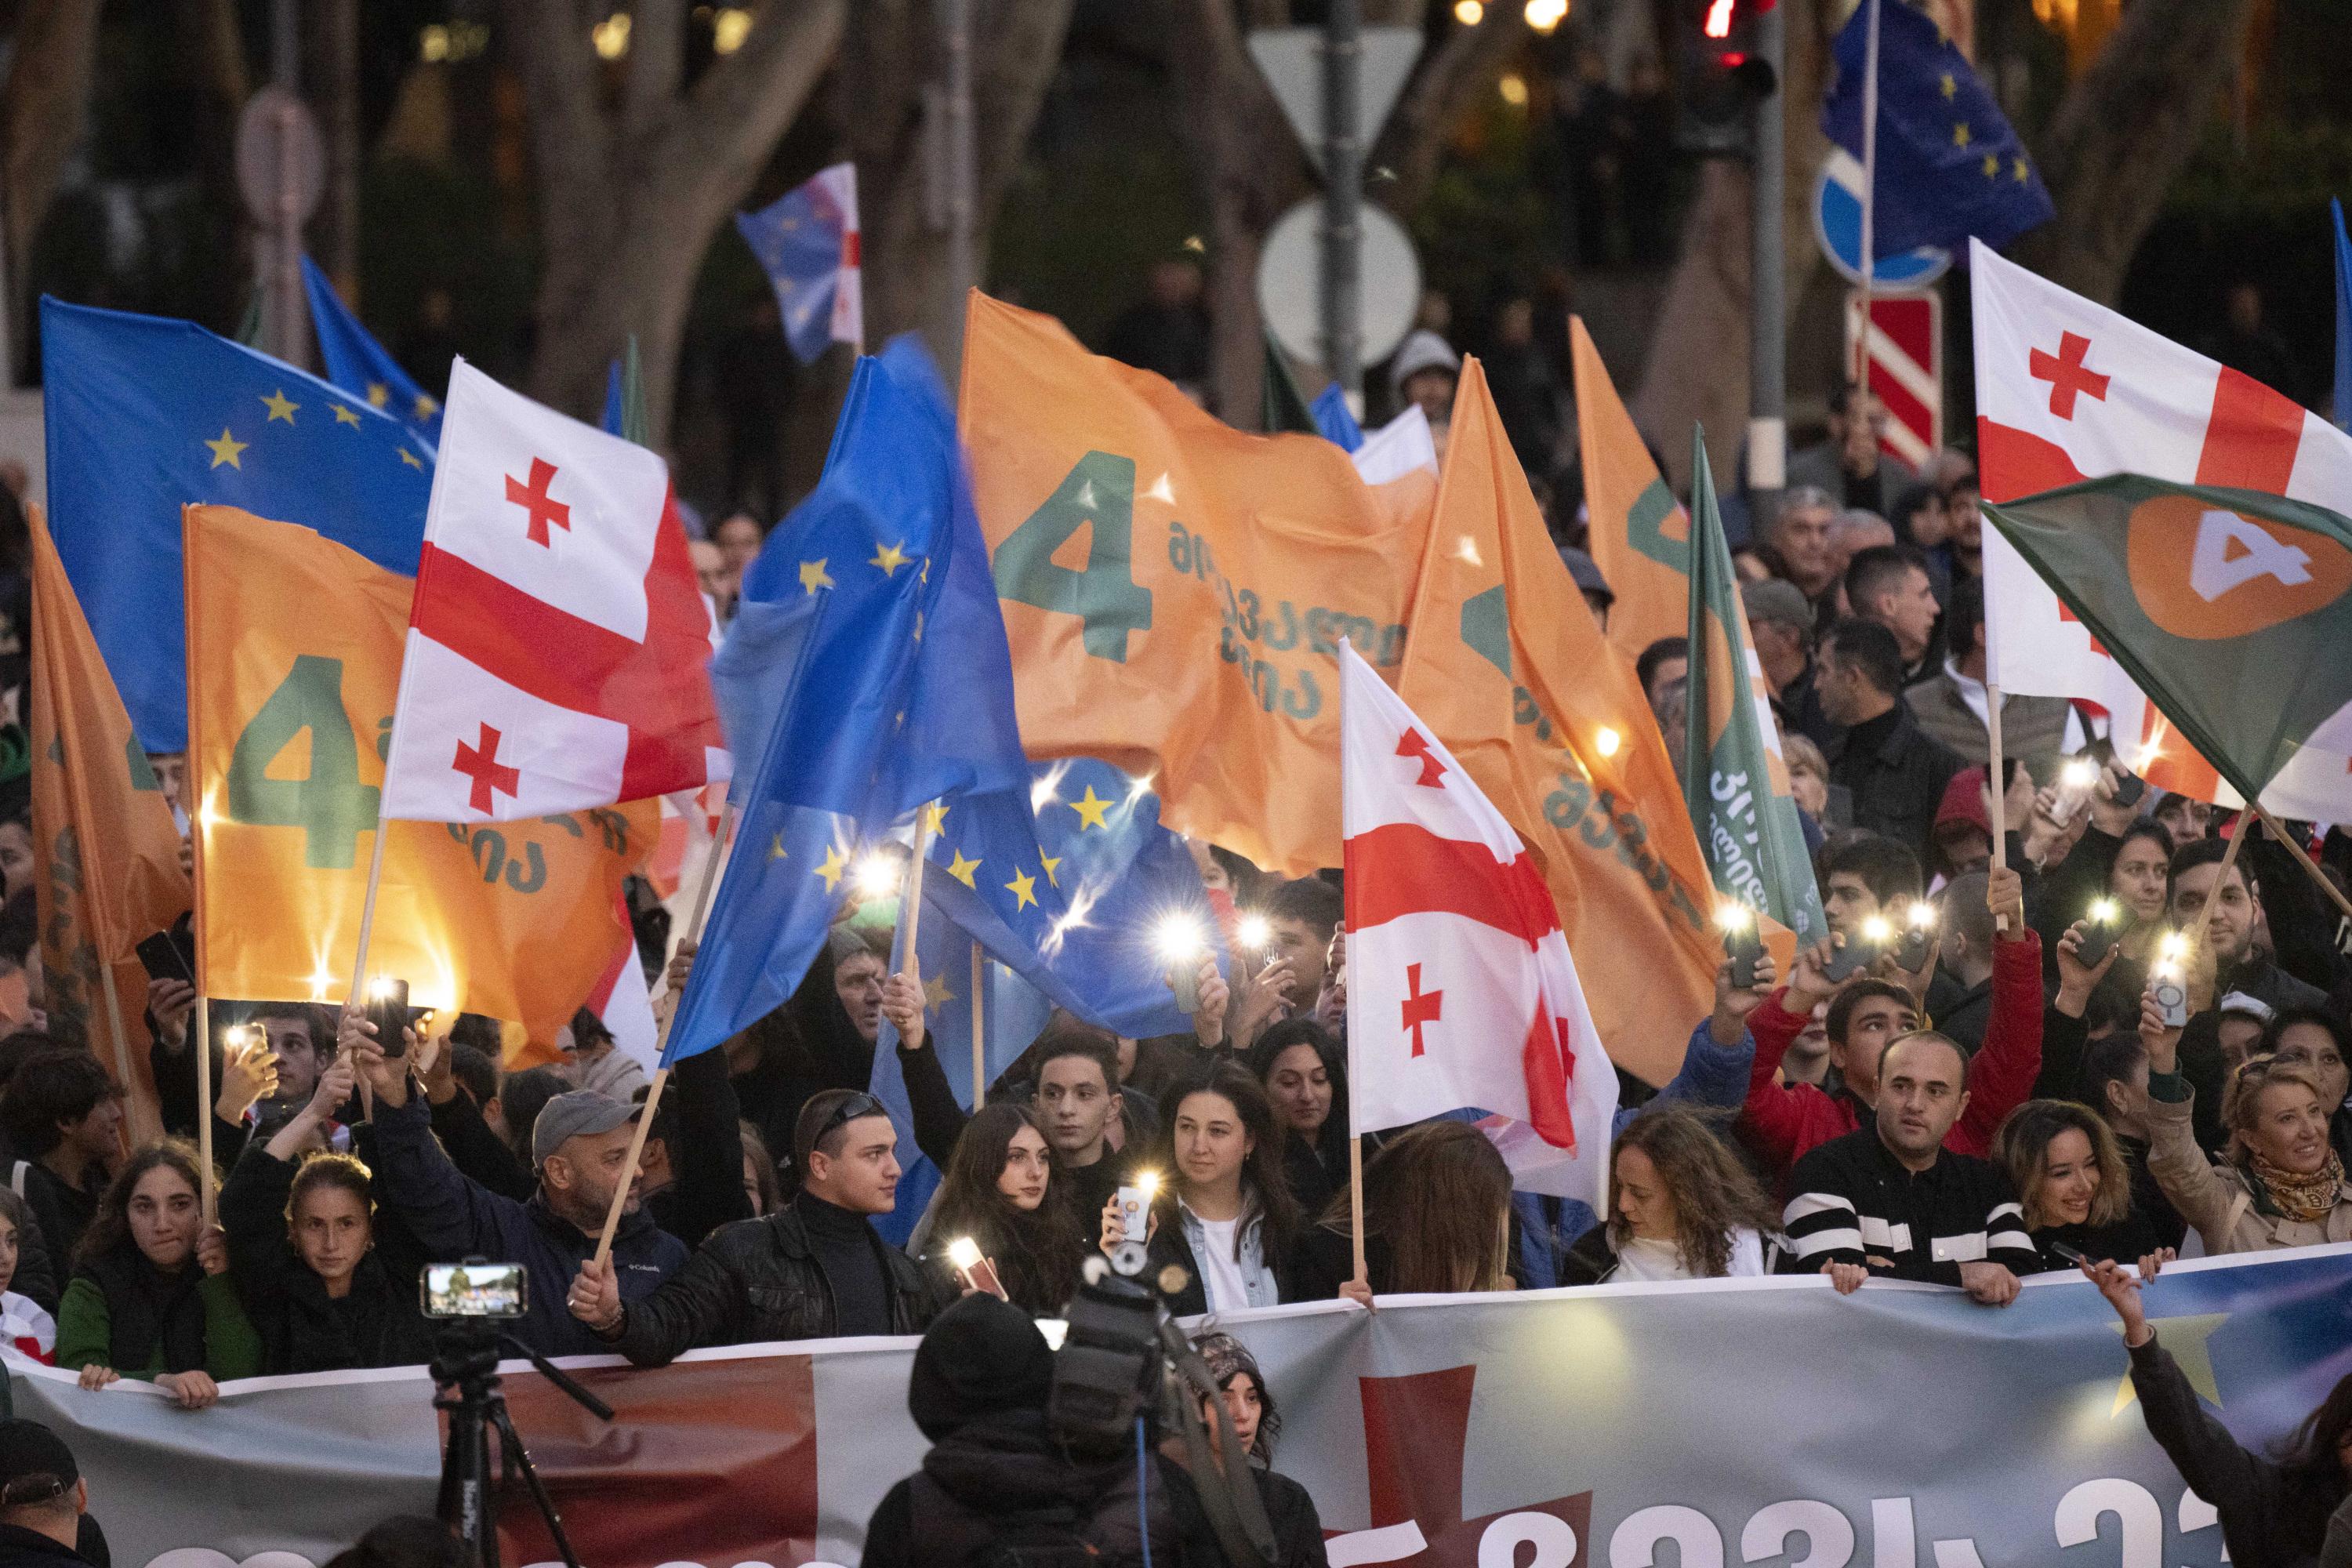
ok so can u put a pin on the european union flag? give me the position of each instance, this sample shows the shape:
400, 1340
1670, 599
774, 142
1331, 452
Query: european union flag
1948, 164
359, 364
146, 415
807, 243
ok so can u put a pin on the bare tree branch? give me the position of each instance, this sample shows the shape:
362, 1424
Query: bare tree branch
657, 64
1443, 87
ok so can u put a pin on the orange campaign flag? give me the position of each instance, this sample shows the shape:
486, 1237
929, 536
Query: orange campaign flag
294, 651
1637, 534
1175, 591
108, 855
1510, 667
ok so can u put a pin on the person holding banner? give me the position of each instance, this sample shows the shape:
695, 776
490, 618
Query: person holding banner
2281, 1186
151, 1296
2073, 1184
1681, 1206
2273, 1507
1437, 1219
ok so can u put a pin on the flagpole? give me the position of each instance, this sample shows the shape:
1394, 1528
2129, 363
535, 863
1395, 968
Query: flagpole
1869, 189
122, 1041
367, 916
201, 1042
2303, 859
928, 822
979, 1029
661, 1042
1993, 772
1355, 1146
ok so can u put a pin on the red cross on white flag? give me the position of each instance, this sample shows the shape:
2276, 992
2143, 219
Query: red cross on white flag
558, 649
2066, 391
1461, 992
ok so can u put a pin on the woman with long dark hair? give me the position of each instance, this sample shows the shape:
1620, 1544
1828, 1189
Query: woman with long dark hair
1437, 1219
1249, 1404
1681, 1206
2273, 1507
1306, 1078
1000, 1191
1224, 1217
302, 1252
151, 1296
2071, 1181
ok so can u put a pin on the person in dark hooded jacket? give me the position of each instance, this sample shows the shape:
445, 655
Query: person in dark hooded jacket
995, 1476
822, 1038
302, 1252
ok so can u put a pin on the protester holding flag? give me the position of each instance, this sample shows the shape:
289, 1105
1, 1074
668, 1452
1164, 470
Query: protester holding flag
2281, 1184
1681, 1206
814, 1269
1224, 1217
1000, 1190
303, 1253
151, 1296
1437, 1219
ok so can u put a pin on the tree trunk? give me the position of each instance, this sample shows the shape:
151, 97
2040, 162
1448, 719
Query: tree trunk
2123, 131
43, 105
331, 82
1441, 90
888, 62
630, 196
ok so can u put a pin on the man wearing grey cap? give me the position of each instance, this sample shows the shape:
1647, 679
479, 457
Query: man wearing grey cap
579, 1146
1780, 619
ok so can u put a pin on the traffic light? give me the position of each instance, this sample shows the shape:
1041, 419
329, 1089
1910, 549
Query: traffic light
1719, 78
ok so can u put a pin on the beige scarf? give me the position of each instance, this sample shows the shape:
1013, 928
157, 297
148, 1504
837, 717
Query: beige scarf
2300, 1196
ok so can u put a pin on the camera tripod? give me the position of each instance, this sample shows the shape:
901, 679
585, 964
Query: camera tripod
466, 1363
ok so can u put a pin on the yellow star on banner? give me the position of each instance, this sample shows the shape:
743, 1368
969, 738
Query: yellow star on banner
410, 459
280, 406
1991, 166
776, 848
378, 395
2020, 172
935, 994
347, 415
962, 870
1023, 889
1053, 864
889, 557
1960, 133
836, 862
935, 816
2185, 1338
815, 576
425, 405
1090, 810
1950, 86
225, 449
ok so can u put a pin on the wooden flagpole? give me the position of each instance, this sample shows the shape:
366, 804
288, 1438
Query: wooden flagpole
2303, 859
978, 1028
1354, 1148
927, 824
1993, 772
201, 1042
122, 1041
661, 1041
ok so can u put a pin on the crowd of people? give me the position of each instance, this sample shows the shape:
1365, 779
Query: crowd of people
1974, 1079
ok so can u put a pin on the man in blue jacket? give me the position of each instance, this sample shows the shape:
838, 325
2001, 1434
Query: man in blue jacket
580, 1148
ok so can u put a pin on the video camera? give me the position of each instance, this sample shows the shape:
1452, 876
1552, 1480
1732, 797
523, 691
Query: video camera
1124, 1364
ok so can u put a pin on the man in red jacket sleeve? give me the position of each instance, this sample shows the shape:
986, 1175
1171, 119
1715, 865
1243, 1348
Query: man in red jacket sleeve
1783, 1121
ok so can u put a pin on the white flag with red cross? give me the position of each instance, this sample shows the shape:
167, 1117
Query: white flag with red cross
559, 647
2067, 391
1461, 992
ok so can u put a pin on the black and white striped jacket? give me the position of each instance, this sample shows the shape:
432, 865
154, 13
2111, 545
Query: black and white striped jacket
1853, 1202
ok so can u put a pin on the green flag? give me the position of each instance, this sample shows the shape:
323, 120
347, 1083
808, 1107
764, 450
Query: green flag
2228, 607
1286, 408
1734, 781
635, 425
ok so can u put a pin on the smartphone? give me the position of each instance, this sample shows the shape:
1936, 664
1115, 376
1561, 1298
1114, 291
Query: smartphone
387, 1009
2069, 1254
1853, 954
1135, 1223
1911, 949
474, 1289
169, 955
2129, 789
2171, 1001
980, 1274
1745, 948
1184, 979
2098, 936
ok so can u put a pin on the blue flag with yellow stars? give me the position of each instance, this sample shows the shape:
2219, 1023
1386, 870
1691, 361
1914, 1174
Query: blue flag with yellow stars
146, 415
1948, 163
360, 365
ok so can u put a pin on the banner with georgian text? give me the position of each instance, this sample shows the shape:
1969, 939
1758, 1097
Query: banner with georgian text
1630, 1425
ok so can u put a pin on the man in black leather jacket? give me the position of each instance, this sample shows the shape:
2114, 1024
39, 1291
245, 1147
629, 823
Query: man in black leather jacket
813, 1269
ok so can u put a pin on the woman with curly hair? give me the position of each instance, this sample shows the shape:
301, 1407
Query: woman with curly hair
1000, 1190
1437, 1219
1681, 1206
2071, 1179
151, 1296
1297, 1529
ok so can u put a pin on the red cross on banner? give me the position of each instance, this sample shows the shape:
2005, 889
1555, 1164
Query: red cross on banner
533, 499
2065, 372
479, 763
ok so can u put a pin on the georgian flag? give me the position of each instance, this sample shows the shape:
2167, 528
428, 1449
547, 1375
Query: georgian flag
559, 648
2067, 391
1461, 992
